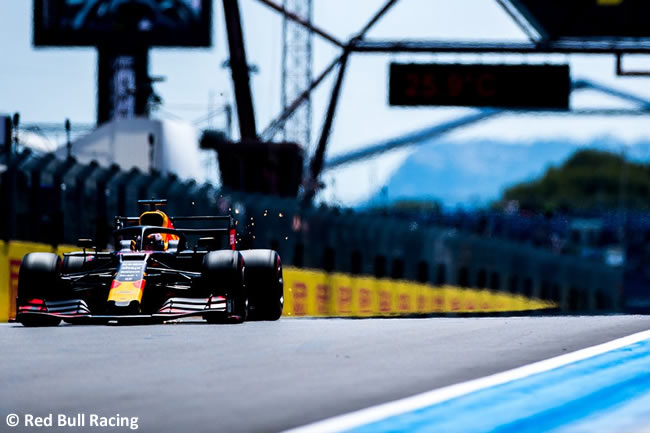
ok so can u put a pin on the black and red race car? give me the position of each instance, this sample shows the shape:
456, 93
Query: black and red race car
157, 272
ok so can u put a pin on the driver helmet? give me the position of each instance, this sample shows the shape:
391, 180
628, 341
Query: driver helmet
154, 242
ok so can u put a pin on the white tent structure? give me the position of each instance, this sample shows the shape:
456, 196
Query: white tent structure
126, 142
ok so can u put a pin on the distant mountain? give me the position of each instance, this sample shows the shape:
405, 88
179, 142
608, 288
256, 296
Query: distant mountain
474, 173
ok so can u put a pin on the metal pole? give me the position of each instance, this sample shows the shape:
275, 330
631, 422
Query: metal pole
152, 143
316, 165
532, 34
276, 124
293, 17
317, 161
546, 47
16, 121
228, 110
271, 130
8, 137
411, 139
11, 179
380, 13
67, 133
297, 50
239, 70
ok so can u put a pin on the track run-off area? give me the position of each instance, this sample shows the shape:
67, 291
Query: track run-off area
275, 376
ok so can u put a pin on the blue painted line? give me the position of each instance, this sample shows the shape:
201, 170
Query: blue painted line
550, 401
626, 417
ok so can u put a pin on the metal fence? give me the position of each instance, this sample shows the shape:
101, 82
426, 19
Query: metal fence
58, 201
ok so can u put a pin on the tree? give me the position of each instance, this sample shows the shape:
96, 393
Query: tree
590, 180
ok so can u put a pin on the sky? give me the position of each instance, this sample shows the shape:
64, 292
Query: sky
51, 84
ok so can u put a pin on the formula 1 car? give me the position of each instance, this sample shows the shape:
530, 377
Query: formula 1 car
155, 274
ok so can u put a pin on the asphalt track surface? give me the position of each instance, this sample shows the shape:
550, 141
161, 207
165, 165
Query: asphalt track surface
268, 376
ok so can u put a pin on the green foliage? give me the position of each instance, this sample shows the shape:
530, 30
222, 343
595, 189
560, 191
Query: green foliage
588, 180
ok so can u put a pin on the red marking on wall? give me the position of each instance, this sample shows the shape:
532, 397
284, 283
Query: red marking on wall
365, 300
455, 304
421, 303
385, 301
322, 298
404, 302
438, 302
299, 299
345, 299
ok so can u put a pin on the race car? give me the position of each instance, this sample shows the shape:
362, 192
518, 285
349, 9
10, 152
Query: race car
157, 272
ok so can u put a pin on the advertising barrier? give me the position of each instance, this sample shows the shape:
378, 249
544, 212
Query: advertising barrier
320, 294
11, 255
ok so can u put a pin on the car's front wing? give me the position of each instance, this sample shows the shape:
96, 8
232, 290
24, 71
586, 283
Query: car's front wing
77, 311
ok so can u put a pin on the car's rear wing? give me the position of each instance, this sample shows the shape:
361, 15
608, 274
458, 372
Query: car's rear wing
121, 222
143, 231
124, 222
204, 218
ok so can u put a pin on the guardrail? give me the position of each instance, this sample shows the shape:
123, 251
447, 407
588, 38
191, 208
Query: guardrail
320, 294
331, 294
11, 255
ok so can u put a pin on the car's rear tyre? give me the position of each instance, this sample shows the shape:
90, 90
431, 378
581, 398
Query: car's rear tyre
38, 278
223, 274
72, 264
264, 282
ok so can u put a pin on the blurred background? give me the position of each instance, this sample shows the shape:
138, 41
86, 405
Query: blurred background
477, 120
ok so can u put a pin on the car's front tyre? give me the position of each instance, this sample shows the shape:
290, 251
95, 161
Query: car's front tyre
265, 284
38, 278
223, 274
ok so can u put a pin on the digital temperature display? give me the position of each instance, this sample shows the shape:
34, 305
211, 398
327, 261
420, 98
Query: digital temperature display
480, 85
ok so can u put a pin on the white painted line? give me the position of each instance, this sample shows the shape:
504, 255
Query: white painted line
409, 404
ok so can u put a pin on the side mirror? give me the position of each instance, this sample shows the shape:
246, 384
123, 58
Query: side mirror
85, 243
